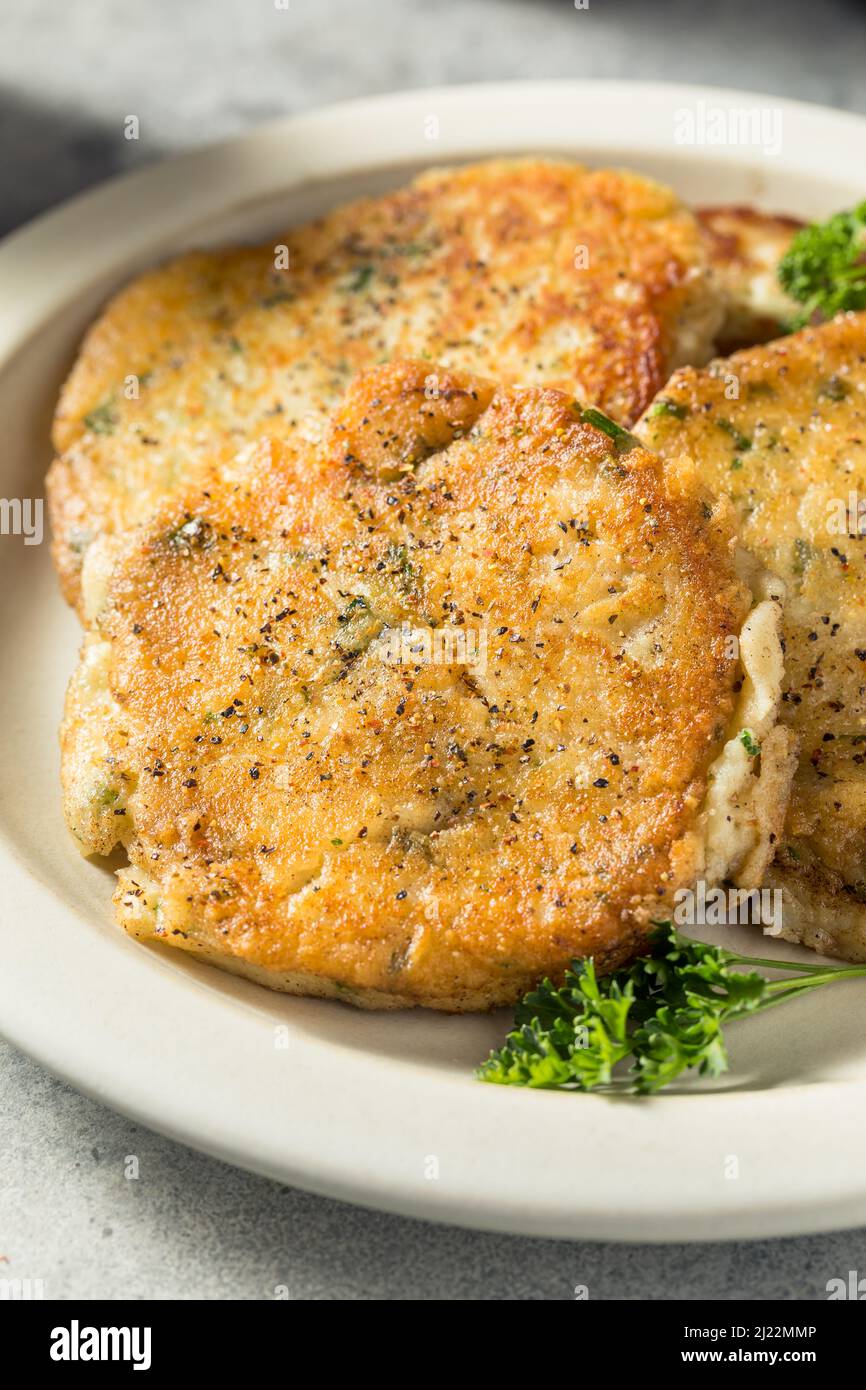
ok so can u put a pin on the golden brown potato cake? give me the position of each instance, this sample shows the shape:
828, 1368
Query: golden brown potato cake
421, 714
534, 272
745, 248
790, 452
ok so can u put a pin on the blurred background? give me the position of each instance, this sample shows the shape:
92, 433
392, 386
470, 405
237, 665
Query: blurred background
201, 69
193, 72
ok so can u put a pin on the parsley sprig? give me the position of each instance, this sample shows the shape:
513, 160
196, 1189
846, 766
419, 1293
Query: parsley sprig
824, 268
666, 1011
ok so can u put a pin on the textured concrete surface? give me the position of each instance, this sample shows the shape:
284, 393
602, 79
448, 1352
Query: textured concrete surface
190, 1227
187, 1226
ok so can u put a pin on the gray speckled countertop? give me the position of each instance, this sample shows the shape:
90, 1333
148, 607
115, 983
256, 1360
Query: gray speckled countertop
191, 1227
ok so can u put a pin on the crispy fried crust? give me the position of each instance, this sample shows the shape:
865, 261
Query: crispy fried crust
534, 272
745, 247
790, 451
304, 803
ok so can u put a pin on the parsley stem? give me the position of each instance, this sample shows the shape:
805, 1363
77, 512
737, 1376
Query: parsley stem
735, 958
784, 989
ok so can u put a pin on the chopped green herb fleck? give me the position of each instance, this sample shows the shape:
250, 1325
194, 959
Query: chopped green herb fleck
803, 553
397, 556
621, 437
361, 279
412, 248
833, 389
741, 441
663, 406
357, 602
103, 418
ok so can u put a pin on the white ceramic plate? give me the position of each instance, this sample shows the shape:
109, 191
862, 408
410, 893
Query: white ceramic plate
383, 1109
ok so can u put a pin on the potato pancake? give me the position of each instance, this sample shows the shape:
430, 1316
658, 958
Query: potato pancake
419, 714
531, 271
781, 430
745, 248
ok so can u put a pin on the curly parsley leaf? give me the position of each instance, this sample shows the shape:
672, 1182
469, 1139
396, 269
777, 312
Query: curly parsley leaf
666, 1011
824, 268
